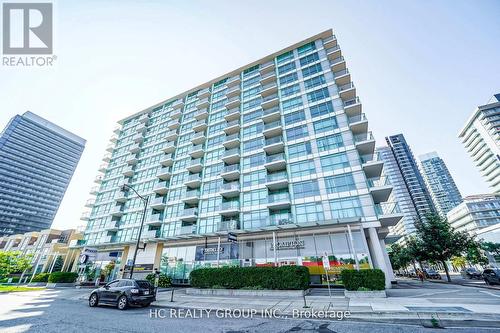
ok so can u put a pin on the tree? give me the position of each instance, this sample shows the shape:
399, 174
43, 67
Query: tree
475, 255
493, 248
459, 262
58, 265
439, 242
399, 256
13, 262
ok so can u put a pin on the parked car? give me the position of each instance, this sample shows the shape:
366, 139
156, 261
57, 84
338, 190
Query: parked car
124, 292
491, 275
432, 274
471, 273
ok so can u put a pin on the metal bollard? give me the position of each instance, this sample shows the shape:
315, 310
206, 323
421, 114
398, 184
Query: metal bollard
172, 295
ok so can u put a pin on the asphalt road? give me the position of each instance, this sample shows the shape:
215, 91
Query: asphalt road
61, 311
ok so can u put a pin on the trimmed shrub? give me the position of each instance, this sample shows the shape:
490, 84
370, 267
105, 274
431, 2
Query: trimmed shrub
371, 279
42, 277
15, 279
282, 278
62, 277
164, 280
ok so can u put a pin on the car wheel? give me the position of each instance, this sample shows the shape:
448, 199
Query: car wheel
146, 305
487, 282
122, 302
93, 300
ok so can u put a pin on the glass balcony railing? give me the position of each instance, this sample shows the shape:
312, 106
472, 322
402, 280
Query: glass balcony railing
347, 86
351, 102
386, 208
229, 225
278, 197
190, 212
233, 123
275, 158
230, 205
192, 194
281, 219
355, 119
187, 229
276, 176
232, 186
379, 181
341, 73
231, 168
196, 161
232, 137
230, 152
363, 137
271, 141
269, 98
272, 125
337, 60
271, 110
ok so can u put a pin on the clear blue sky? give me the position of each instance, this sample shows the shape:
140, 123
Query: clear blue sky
421, 67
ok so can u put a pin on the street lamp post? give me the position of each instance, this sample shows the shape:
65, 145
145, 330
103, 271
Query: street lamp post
145, 201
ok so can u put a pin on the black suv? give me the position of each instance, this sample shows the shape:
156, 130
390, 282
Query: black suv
491, 275
124, 292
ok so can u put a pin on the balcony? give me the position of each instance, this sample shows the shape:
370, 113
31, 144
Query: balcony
272, 129
380, 189
171, 136
161, 188
372, 167
141, 129
165, 173
275, 162
232, 141
167, 160
197, 151
169, 147
235, 80
278, 200
187, 229
352, 107
90, 203
117, 129
192, 197
158, 203
189, 215
231, 156
138, 138
177, 104
106, 157
347, 91
154, 220
85, 216
144, 118
117, 211
198, 138
342, 77
195, 165
113, 226
176, 114
277, 180
365, 143
267, 67
333, 52
337, 64
233, 102
270, 101
204, 93
203, 103
230, 208
268, 89
121, 197
228, 225
281, 219
131, 159
233, 91
149, 234
193, 181
230, 190
200, 125
103, 167
274, 145
358, 124
110, 147
330, 41
267, 78
134, 149
232, 114
128, 171
271, 114
174, 124
98, 179
388, 213
231, 172
94, 190
201, 114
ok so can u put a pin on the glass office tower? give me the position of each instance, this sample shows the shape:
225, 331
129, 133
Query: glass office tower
37, 161
277, 152
444, 191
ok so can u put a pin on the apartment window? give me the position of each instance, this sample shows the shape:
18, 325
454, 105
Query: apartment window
255, 198
253, 144
253, 130
219, 104
295, 117
251, 104
303, 168
318, 95
214, 117
213, 170
249, 71
311, 70
212, 186
251, 92
284, 57
215, 141
314, 82
288, 78
341, 183
305, 213
252, 116
286, 68
324, 125
288, 91
308, 59
305, 189
299, 149
216, 128
254, 161
210, 205
254, 178
321, 109
346, 207
255, 219
334, 162
330, 142
291, 103
296, 132
250, 82
306, 48
214, 155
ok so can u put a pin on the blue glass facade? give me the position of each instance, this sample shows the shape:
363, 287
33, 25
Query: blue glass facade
37, 161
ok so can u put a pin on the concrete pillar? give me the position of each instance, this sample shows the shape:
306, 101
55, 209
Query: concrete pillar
378, 255
390, 272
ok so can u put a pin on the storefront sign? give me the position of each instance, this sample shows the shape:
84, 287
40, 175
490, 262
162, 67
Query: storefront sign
210, 252
140, 267
289, 244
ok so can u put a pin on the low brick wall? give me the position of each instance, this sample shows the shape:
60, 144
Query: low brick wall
245, 292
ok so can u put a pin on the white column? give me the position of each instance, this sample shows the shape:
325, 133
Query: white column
390, 272
378, 255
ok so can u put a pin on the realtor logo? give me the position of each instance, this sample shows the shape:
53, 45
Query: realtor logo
27, 28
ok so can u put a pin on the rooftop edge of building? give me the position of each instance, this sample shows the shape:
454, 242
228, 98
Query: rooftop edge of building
494, 101
53, 127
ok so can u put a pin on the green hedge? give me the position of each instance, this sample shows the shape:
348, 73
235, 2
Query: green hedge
15, 279
164, 280
42, 277
372, 279
285, 277
62, 277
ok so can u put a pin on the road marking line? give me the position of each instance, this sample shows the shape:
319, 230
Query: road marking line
435, 293
487, 292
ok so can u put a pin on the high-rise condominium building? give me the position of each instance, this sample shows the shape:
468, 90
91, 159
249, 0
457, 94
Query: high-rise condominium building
276, 152
444, 191
481, 137
475, 212
411, 192
37, 161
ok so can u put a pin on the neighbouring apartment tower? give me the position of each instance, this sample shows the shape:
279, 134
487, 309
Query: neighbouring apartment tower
475, 213
276, 153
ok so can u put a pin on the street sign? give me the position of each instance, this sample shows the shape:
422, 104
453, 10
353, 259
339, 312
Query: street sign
326, 262
232, 237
